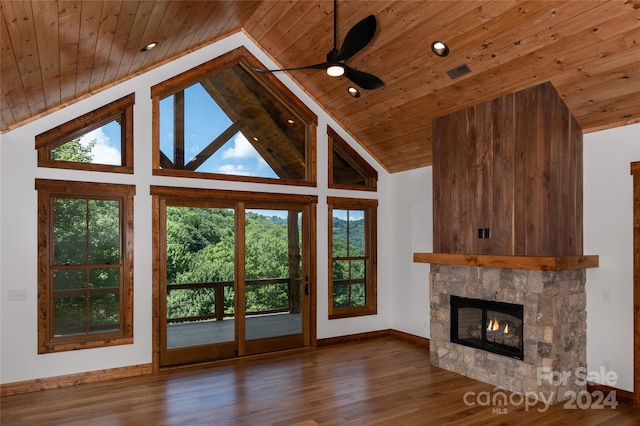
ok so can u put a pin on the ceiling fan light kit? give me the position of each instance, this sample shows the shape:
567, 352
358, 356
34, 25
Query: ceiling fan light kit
356, 39
335, 70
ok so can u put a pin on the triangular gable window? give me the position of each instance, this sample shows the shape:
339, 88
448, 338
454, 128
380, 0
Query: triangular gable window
347, 169
101, 140
221, 119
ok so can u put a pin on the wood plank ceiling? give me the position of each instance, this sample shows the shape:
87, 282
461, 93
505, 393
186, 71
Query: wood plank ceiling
54, 53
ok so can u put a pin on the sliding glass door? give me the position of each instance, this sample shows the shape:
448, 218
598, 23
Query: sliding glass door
235, 280
273, 292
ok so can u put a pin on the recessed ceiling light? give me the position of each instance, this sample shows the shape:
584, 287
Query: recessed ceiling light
149, 46
440, 48
291, 121
354, 92
255, 139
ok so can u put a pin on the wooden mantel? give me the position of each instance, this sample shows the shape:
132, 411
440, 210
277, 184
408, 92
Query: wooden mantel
543, 263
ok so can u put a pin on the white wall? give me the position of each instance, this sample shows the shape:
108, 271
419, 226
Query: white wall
18, 222
608, 232
411, 197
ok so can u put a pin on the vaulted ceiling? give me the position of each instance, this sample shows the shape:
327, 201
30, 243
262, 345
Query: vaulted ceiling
56, 52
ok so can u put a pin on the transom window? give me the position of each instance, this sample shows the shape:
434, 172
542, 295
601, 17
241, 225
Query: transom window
352, 263
101, 140
85, 282
222, 121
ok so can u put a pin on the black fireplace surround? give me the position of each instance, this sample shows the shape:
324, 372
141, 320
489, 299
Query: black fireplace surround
483, 324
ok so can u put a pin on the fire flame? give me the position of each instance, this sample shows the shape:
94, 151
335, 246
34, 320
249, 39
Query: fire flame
494, 325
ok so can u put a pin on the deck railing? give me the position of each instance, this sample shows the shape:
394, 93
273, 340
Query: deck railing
218, 297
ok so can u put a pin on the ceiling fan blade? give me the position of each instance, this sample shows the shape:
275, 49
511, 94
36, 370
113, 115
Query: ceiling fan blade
322, 66
363, 79
357, 38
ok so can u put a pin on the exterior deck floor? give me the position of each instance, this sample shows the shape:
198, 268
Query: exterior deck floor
210, 332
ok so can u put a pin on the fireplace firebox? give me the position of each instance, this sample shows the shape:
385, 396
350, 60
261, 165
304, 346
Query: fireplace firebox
492, 326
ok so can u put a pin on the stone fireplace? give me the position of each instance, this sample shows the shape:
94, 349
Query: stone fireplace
553, 326
507, 227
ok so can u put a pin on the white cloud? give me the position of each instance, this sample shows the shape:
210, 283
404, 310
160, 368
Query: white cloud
103, 152
234, 169
242, 148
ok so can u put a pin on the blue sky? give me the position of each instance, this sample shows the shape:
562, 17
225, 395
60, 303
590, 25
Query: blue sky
108, 144
353, 214
204, 121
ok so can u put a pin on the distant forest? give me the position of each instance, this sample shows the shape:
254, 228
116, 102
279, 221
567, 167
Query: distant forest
200, 249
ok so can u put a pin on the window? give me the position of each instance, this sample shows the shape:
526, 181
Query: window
347, 169
101, 140
352, 263
85, 265
222, 120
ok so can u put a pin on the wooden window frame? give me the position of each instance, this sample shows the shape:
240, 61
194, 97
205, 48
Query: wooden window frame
338, 145
48, 190
121, 109
370, 207
239, 56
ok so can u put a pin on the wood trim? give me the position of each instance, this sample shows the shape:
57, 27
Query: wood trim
158, 271
67, 380
635, 171
352, 202
232, 178
544, 263
621, 395
411, 338
313, 274
171, 192
370, 335
95, 188
358, 337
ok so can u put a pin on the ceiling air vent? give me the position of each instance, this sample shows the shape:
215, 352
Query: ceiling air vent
458, 71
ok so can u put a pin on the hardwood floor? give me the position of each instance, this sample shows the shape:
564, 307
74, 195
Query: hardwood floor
384, 381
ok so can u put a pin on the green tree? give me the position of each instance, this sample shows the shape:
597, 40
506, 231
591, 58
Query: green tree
74, 151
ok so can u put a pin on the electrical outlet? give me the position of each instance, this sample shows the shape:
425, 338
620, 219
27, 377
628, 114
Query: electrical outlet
15, 295
606, 295
484, 233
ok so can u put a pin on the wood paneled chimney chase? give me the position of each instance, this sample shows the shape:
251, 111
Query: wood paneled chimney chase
507, 181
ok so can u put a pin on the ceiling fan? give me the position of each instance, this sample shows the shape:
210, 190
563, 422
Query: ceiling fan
357, 38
